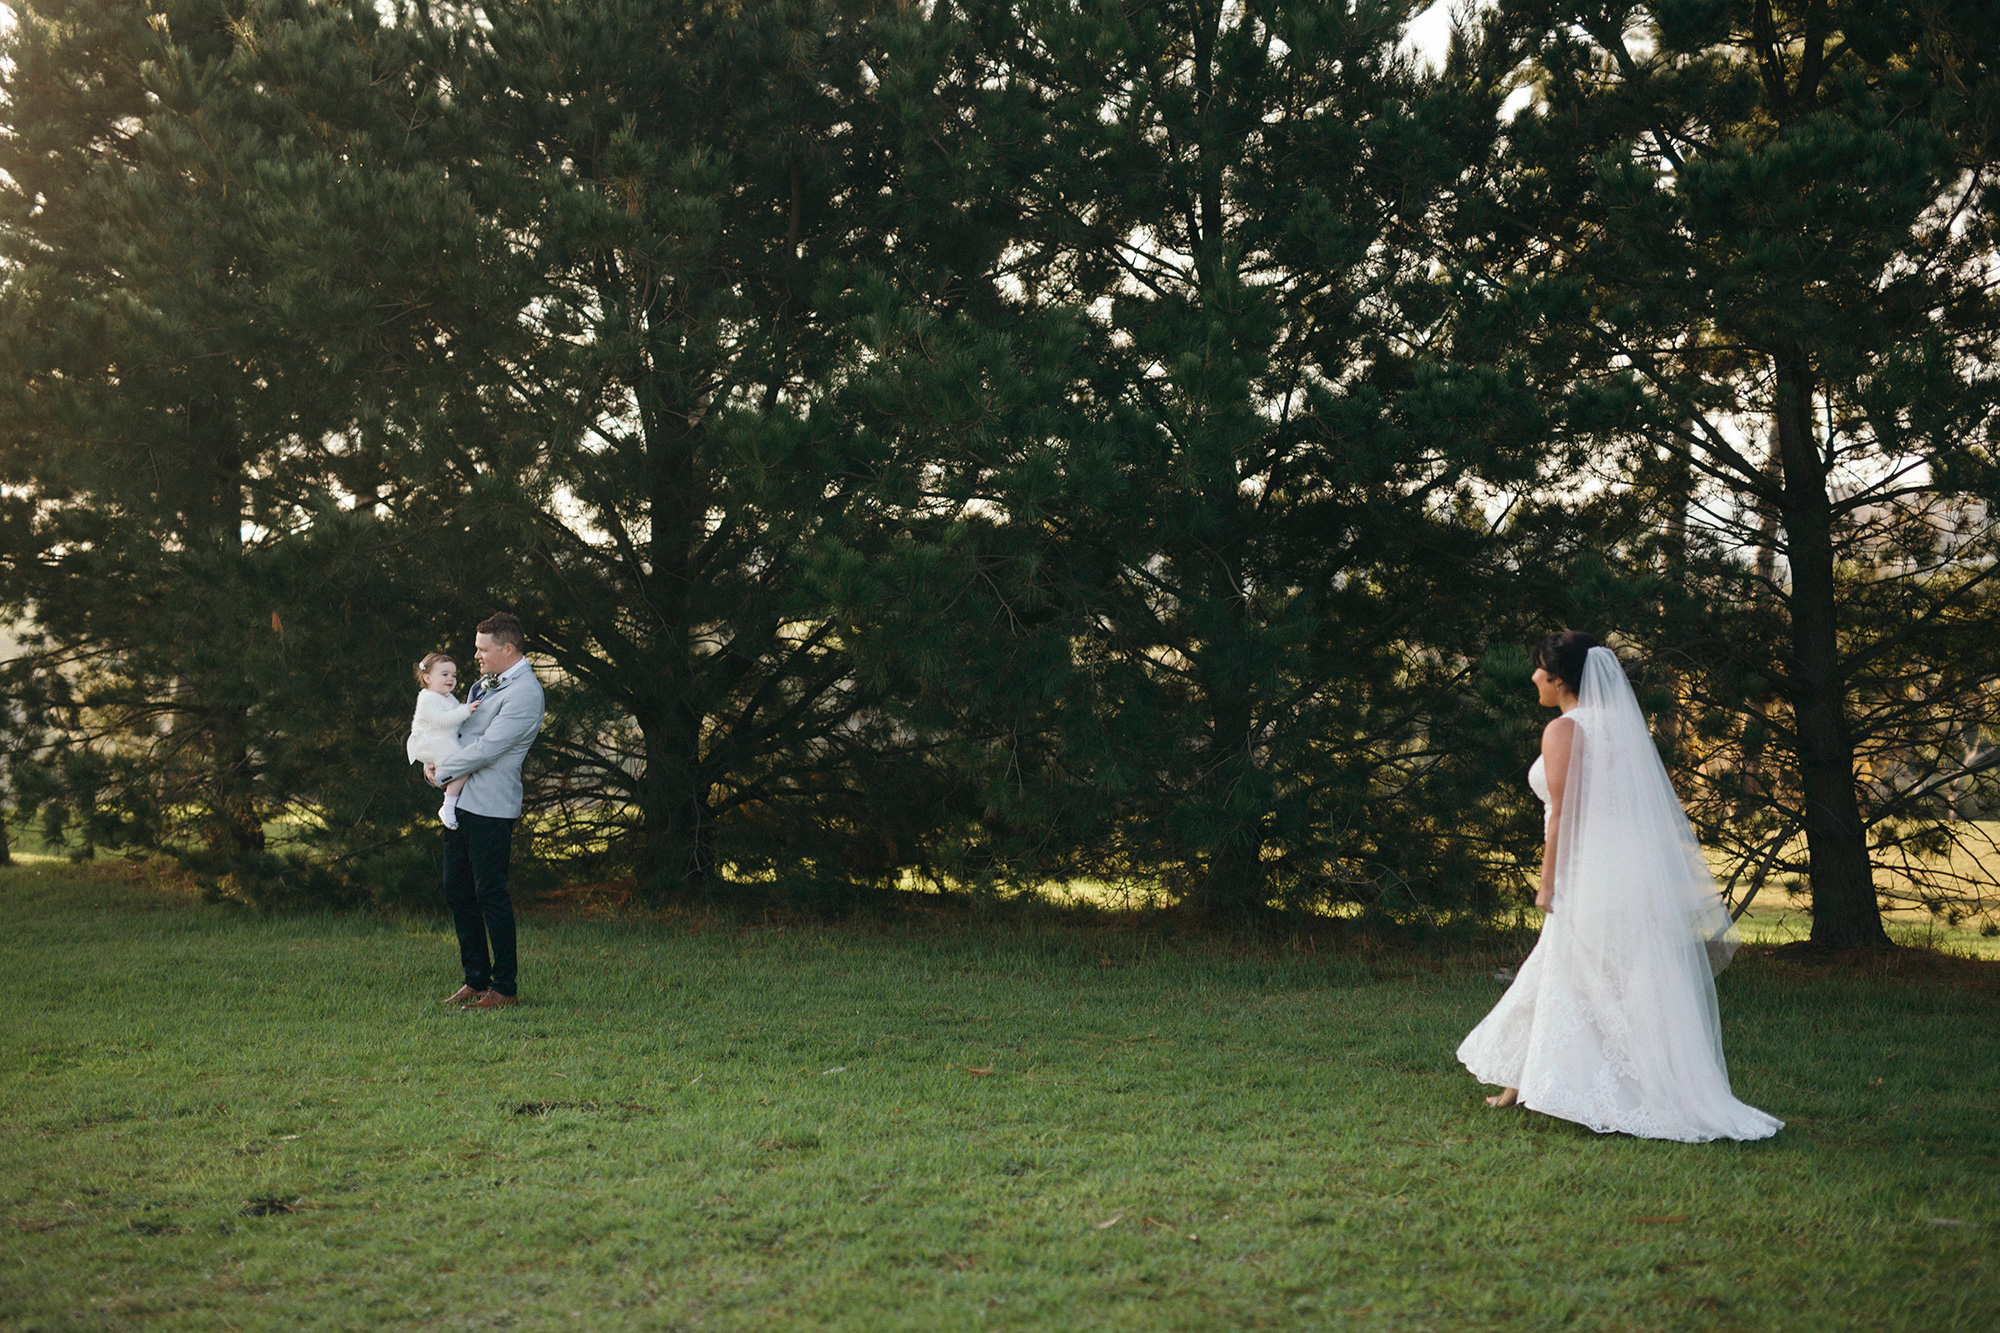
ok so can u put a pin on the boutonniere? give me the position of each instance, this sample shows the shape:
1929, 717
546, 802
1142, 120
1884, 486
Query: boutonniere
487, 684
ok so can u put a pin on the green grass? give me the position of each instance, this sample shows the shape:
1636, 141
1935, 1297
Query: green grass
213, 1120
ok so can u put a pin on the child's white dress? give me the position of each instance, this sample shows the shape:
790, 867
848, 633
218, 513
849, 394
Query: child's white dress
434, 727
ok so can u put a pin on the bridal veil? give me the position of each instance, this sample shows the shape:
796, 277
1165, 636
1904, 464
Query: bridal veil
1628, 862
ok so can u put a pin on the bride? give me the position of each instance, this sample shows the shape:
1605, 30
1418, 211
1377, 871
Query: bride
1612, 1020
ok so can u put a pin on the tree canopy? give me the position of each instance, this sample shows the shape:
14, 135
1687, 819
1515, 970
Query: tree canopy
980, 444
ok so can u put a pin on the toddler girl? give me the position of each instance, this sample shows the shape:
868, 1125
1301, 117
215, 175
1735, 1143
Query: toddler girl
434, 726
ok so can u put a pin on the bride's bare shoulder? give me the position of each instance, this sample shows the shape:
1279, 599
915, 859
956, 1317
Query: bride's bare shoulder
1558, 747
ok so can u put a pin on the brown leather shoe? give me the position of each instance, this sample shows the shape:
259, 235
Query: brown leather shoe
492, 999
460, 996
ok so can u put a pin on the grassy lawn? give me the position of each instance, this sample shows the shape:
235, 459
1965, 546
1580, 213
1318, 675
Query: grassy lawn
212, 1120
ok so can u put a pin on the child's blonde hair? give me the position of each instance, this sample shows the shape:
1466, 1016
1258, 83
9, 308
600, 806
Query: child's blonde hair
429, 663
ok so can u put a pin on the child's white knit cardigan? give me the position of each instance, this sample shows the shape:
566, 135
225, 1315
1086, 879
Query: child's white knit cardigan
434, 726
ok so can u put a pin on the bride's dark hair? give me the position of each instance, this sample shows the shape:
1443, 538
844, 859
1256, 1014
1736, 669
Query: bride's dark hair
1562, 656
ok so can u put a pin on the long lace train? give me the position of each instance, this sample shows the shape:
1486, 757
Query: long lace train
1582, 1044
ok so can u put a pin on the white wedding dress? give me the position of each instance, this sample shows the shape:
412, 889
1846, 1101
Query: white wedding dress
1612, 1020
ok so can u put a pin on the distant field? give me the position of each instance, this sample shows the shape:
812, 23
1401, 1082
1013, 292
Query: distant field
1781, 922
1776, 917
212, 1120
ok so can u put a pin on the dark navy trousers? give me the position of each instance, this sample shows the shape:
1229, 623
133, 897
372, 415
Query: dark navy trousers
475, 885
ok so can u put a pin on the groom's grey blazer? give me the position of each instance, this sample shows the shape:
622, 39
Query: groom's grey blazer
493, 742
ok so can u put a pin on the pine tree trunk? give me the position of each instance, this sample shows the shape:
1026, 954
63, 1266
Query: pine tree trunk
239, 825
1755, 793
1234, 884
1845, 912
676, 841
1677, 494
237, 822
676, 838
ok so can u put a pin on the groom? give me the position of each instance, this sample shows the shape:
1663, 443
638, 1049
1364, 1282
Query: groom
491, 745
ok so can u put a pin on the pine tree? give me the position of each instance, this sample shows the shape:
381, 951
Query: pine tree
219, 636
641, 426
1728, 213
1203, 460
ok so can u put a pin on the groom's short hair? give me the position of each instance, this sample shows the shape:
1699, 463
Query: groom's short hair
504, 627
